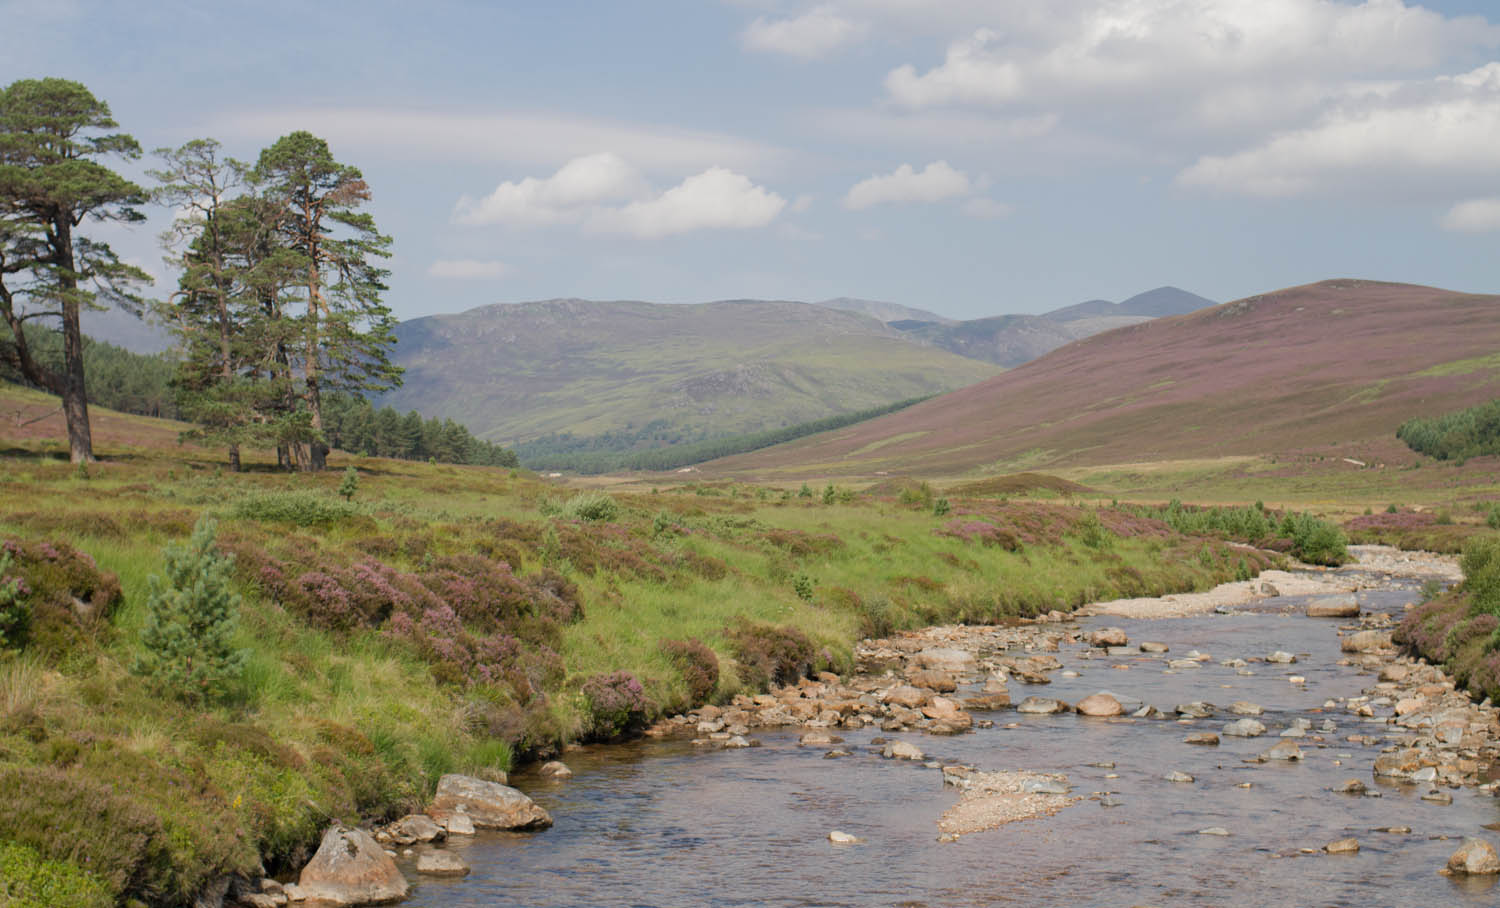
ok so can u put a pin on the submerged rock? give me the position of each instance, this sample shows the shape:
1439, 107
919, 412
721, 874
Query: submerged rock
903, 750
489, 804
838, 837
1151, 646
1283, 750
441, 863
556, 769
1333, 607
350, 868
1476, 857
1202, 738
1343, 846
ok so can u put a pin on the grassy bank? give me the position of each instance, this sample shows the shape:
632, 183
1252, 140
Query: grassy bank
1460, 628
457, 618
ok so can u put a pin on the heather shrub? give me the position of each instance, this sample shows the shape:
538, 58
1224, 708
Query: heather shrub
27, 880
699, 666
616, 703
1481, 566
69, 600
15, 611
591, 506
187, 642
770, 654
303, 509
981, 531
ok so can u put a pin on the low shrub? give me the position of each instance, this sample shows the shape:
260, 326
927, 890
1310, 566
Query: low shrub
616, 704
15, 611
699, 666
66, 601
591, 506
770, 654
1480, 563
300, 508
28, 880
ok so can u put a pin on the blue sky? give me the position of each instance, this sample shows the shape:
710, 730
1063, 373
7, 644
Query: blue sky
973, 157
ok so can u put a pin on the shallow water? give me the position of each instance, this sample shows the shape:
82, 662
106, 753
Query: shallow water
667, 824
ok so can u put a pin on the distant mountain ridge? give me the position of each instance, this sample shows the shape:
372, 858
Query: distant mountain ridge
1324, 364
668, 373
1158, 303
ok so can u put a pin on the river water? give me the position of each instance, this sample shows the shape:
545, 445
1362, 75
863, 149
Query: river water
662, 823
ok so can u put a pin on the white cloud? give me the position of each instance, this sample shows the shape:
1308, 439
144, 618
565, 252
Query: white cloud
466, 269
808, 36
1184, 65
1473, 216
560, 198
714, 199
986, 209
604, 194
1425, 139
935, 182
531, 139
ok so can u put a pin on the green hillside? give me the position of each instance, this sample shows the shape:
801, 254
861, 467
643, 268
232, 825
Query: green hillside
515, 372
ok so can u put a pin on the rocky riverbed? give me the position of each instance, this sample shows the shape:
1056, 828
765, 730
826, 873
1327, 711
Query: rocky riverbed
1239, 753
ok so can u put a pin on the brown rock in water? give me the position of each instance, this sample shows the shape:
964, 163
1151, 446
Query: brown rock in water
1476, 857
942, 682
987, 701
414, 828
1109, 636
1100, 705
1343, 846
941, 708
350, 868
556, 769
1333, 607
1151, 646
1364, 641
1202, 738
441, 863
1394, 673
907, 696
489, 804
947, 660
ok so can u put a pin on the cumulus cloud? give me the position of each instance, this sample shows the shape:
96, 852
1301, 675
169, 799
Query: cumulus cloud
1186, 65
1433, 137
935, 182
808, 36
466, 269
563, 197
604, 194
714, 199
1474, 216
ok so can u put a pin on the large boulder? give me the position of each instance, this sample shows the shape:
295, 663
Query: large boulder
1333, 607
944, 659
1108, 636
907, 696
1364, 641
350, 868
1100, 705
1476, 857
489, 804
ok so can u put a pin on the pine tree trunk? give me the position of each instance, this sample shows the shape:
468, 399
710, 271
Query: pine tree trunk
75, 399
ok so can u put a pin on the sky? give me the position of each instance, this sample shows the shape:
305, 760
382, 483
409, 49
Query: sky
971, 157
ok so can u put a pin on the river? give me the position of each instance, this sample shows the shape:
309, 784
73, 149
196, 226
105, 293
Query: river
664, 823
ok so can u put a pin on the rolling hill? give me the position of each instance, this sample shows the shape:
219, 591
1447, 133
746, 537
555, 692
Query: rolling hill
513, 372
1322, 364
1010, 340
885, 312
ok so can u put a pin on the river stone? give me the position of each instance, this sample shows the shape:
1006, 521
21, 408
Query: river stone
1195, 710
1044, 786
902, 750
1333, 607
1283, 750
1041, 706
1438, 797
987, 701
995, 684
1245, 708
1203, 738
1282, 657
838, 837
1214, 830
1476, 857
1364, 641
350, 868
1343, 846
415, 827
489, 804
458, 823
942, 682
947, 660
1408, 705
1100, 705
1394, 673
556, 769
441, 863
1108, 636
819, 738
907, 696
1349, 786
1184, 663
1177, 776
1151, 646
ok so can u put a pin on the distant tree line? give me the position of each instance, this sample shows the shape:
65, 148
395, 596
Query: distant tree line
353, 424
550, 454
118, 378
1474, 432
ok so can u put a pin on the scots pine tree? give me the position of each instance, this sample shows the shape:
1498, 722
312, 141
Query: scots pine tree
52, 134
191, 617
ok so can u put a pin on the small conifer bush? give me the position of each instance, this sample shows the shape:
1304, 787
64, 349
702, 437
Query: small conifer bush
191, 616
350, 484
